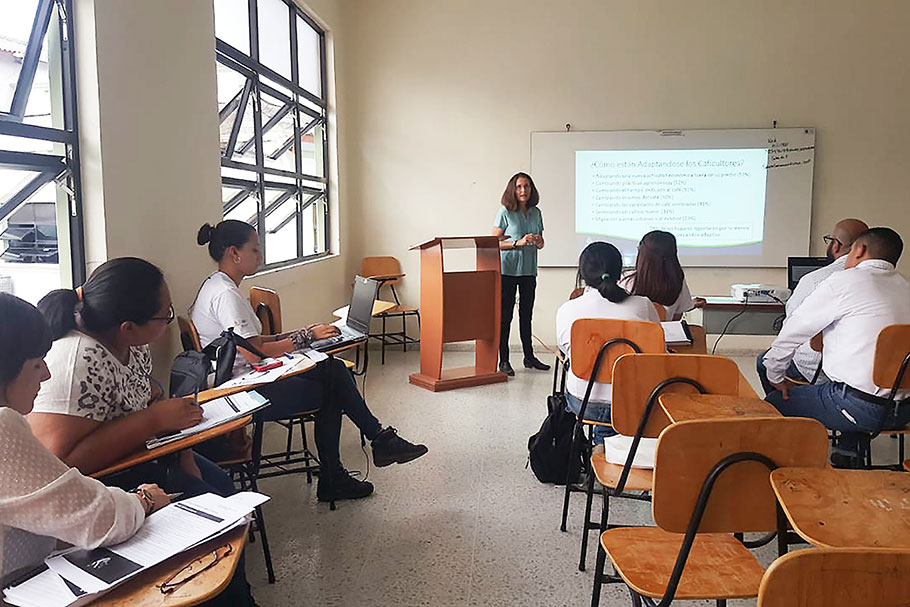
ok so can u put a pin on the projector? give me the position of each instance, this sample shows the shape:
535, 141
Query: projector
757, 293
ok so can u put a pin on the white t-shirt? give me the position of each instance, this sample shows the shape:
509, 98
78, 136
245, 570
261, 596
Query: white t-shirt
219, 306
682, 304
88, 381
591, 304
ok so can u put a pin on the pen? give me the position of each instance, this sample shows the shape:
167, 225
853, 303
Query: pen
288, 355
173, 496
196, 396
231, 404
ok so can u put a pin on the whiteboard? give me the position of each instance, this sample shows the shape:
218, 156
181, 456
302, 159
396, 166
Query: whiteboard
788, 191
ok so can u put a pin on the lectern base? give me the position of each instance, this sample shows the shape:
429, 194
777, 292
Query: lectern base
461, 377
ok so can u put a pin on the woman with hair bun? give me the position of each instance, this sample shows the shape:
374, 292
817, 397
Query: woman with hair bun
599, 269
220, 306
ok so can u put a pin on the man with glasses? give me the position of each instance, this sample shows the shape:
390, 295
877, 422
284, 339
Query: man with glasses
805, 367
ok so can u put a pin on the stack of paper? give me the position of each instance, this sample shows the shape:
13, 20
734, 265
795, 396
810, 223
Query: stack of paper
76, 576
676, 333
290, 364
216, 412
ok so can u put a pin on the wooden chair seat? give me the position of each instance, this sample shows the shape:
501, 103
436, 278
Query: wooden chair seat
608, 474
719, 566
592, 422
399, 309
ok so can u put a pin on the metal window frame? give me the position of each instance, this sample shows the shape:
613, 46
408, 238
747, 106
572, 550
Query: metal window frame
261, 80
49, 167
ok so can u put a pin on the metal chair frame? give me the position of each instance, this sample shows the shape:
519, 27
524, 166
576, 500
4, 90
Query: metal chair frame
692, 530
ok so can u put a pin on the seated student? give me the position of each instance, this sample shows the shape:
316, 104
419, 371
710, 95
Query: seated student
219, 306
805, 366
849, 309
42, 500
101, 403
599, 267
659, 277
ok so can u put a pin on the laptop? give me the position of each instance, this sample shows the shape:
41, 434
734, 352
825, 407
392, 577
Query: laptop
356, 327
797, 267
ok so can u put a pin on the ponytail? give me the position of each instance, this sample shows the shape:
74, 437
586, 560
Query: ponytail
600, 267
610, 290
126, 289
59, 309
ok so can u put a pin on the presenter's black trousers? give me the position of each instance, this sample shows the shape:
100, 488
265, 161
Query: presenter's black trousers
526, 287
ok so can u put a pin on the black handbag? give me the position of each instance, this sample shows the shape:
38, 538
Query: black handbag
223, 351
189, 373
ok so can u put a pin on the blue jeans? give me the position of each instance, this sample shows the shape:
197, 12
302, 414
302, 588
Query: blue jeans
792, 371
853, 417
598, 412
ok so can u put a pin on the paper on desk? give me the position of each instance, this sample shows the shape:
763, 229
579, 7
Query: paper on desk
315, 355
46, 589
675, 333
289, 365
216, 412
169, 531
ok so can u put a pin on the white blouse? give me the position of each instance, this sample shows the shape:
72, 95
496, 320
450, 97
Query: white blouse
683, 302
42, 501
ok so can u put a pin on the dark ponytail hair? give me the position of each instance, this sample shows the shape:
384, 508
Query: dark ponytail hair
228, 233
600, 267
126, 289
23, 335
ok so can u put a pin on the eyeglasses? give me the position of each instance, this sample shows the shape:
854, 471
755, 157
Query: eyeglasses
194, 568
829, 239
167, 319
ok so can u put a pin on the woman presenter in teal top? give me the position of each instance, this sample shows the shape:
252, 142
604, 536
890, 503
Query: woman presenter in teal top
520, 224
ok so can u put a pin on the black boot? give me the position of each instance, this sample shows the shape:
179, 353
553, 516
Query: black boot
341, 486
505, 367
389, 448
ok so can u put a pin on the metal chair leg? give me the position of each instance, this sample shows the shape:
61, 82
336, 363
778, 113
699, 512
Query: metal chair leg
266, 553
306, 453
598, 574
573, 453
636, 598
589, 490
382, 346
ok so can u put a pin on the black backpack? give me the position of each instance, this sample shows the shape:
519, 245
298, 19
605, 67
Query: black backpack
223, 351
548, 450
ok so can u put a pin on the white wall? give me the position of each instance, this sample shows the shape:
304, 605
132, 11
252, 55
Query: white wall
442, 97
149, 137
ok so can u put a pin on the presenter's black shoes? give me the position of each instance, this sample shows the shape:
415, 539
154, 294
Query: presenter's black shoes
389, 448
341, 486
534, 363
505, 367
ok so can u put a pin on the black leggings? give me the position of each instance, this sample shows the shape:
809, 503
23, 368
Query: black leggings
526, 286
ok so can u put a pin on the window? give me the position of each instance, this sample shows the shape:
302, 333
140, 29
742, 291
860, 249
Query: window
41, 244
271, 72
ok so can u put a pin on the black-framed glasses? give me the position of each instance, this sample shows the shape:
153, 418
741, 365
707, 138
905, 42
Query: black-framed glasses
829, 239
171, 315
194, 568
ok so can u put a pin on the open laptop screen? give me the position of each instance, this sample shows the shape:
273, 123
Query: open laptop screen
797, 267
361, 310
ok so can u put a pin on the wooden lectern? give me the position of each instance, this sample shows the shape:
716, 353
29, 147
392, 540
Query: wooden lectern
459, 306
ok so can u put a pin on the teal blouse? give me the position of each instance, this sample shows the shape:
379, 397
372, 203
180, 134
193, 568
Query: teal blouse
521, 261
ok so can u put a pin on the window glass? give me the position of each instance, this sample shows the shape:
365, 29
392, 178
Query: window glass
274, 36
232, 23
309, 61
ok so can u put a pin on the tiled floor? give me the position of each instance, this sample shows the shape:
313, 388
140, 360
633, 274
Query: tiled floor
467, 524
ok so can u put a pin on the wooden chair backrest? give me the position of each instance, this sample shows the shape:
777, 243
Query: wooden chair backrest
635, 377
742, 499
837, 578
892, 346
380, 266
661, 311
267, 306
189, 336
589, 334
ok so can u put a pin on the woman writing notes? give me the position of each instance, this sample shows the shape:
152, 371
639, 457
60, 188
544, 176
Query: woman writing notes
43, 500
519, 224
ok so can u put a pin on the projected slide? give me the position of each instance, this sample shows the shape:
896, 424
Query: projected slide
707, 198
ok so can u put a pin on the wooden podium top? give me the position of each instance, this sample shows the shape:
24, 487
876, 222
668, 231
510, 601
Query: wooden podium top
459, 242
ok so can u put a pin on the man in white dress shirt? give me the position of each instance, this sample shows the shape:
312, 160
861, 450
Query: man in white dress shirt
806, 363
849, 309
